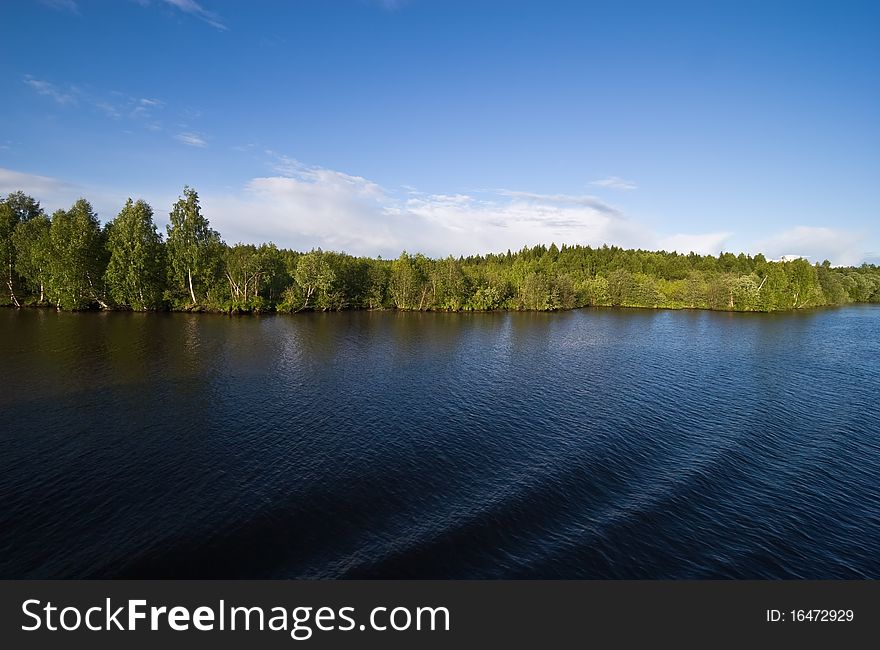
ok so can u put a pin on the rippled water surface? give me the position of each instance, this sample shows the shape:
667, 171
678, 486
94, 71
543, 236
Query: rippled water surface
588, 444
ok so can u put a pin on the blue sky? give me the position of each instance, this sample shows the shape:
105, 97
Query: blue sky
458, 126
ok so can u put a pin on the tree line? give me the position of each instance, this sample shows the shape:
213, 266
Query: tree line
70, 261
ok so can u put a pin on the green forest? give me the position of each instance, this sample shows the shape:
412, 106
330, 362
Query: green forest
68, 260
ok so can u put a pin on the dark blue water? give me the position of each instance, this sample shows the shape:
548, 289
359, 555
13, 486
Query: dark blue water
587, 444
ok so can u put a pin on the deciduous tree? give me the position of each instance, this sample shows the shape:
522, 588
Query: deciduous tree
194, 250
136, 270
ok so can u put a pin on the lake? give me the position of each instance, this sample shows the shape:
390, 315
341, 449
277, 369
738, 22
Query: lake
596, 443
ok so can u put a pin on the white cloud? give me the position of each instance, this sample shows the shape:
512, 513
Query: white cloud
54, 193
710, 243
191, 139
195, 9
840, 247
615, 183
48, 89
38, 186
305, 206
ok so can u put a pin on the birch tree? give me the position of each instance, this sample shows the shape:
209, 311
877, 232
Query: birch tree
313, 275
15, 209
193, 248
78, 257
33, 253
135, 270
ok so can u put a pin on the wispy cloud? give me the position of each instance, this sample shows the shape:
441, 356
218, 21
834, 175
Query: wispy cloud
48, 89
570, 199
192, 139
143, 107
62, 5
615, 183
109, 110
115, 105
123, 105
195, 9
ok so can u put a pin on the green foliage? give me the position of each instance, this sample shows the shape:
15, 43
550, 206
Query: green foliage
534, 293
621, 288
17, 208
256, 277
376, 276
409, 287
195, 252
315, 279
448, 285
78, 258
487, 297
63, 262
744, 290
33, 254
136, 270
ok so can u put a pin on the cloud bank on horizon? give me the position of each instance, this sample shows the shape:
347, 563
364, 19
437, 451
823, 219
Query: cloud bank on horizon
312, 206
305, 207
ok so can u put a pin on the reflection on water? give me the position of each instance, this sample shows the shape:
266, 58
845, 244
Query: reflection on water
594, 443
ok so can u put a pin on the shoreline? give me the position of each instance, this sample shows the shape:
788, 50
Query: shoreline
274, 312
